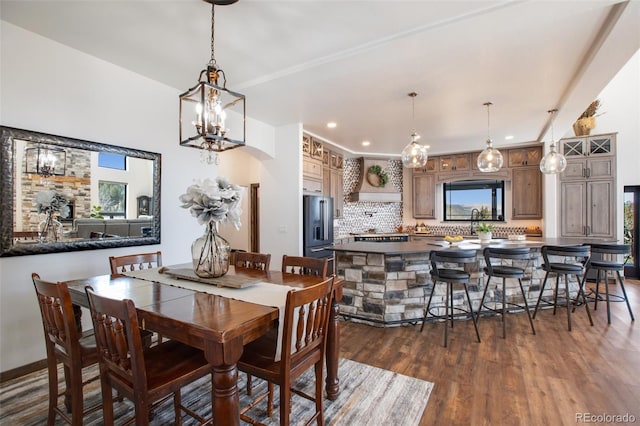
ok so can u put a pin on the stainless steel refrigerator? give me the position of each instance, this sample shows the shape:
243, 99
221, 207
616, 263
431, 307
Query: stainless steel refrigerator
317, 231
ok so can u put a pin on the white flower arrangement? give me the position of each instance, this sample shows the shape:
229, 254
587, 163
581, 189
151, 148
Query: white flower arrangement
50, 203
210, 201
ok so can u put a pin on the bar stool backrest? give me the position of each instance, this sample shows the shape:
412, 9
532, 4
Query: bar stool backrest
513, 253
581, 253
459, 257
620, 249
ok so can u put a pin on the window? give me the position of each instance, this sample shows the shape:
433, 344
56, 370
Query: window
487, 196
112, 161
113, 198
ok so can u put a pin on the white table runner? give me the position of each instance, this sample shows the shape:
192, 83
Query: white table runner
262, 293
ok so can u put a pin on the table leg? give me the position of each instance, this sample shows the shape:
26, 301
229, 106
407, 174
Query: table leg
333, 353
226, 401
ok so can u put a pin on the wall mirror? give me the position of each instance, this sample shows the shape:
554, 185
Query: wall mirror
62, 194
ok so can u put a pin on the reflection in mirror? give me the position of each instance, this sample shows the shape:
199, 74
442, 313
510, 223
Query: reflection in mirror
63, 194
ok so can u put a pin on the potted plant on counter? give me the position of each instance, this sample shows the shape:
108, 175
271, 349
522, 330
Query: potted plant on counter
484, 232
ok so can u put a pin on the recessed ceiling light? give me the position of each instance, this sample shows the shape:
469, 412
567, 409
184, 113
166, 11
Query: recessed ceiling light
331, 124
366, 143
508, 137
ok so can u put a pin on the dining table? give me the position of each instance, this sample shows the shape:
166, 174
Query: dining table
218, 319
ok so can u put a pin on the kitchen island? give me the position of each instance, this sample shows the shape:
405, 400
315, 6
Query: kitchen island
385, 284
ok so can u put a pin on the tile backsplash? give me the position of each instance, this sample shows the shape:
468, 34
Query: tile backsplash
361, 216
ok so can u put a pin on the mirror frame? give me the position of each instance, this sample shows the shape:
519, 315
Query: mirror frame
8, 173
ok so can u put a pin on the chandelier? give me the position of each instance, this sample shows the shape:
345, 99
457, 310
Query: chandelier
46, 161
489, 160
553, 162
212, 117
414, 155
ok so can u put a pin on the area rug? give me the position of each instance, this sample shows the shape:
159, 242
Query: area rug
368, 396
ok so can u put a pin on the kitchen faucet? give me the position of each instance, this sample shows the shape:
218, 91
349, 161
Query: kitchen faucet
474, 223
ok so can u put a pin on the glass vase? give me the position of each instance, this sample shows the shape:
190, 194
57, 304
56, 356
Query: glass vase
49, 230
210, 253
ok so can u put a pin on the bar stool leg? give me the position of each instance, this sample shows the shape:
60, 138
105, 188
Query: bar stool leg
504, 311
446, 314
595, 304
568, 296
624, 292
555, 294
584, 297
606, 290
484, 294
526, 306
544, 283
426, 312
473, 318
451, 301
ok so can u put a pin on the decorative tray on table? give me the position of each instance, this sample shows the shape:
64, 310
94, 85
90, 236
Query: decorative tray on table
233, 281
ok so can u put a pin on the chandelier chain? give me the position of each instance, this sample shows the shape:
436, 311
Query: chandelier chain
212, 61
488, 104
553, 113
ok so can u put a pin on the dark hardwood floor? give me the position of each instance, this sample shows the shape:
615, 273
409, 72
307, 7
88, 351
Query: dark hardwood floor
544, 379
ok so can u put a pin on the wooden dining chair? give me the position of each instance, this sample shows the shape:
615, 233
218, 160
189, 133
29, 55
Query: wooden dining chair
305, 265
303, 345
244, 259
132, 262
64, 344
146, 376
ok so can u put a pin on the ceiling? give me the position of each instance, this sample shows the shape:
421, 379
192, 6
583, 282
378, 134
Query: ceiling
354, 62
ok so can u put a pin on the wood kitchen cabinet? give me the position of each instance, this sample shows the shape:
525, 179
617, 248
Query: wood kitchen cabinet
332, 184
587, 209
424, 196
526, 193
430, 167
522, 157
588, 146
454, 163
588, 187
312, 175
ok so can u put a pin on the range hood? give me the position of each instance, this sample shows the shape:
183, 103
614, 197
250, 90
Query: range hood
369, 188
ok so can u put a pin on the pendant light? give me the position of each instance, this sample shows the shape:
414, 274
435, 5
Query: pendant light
489, 160
553, 162
414, 155
204, 108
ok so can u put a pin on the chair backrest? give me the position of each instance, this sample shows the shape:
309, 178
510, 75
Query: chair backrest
131, 262
58, 319
118, 340
619, 249
511, 253
303, 265
460, 257
575, 255
305, 323
252, 260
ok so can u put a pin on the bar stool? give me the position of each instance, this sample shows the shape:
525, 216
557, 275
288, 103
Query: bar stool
441, 271
503, 271
602, 265
575, 259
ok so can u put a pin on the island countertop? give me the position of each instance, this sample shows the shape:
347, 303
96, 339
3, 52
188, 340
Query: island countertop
426, 246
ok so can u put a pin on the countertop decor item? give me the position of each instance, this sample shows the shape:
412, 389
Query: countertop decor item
212, 203
484, 232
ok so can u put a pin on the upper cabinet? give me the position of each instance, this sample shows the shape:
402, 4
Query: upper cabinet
588, 146
521, 157
322, 171
424, 196
526, 193
454, 163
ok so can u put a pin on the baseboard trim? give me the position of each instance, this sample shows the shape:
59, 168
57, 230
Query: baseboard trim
22, 370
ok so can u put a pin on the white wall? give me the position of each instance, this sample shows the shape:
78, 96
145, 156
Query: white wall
48, 87
620, 110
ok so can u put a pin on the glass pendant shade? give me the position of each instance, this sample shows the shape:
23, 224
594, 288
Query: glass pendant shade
553, 162
414, 155
490, 160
